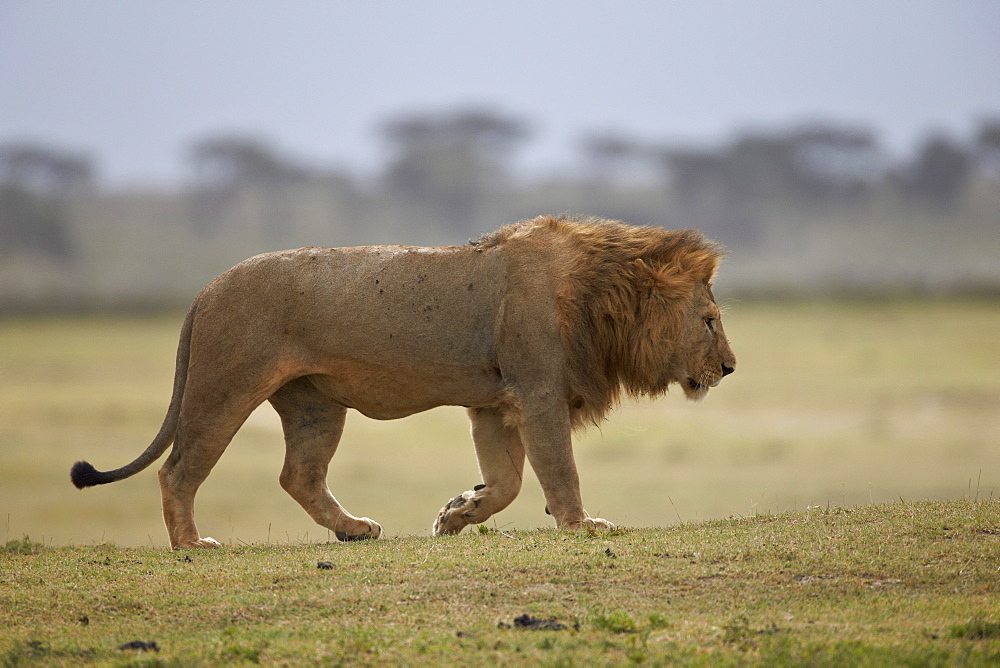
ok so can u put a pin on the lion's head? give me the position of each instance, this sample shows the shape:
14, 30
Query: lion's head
637, 312
703, 355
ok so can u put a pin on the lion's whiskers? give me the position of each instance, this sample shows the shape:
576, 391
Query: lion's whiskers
726, 305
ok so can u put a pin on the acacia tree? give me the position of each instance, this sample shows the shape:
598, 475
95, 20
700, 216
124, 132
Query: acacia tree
939, 174
224, 166
447, 163
35, 184
988, 146
229, 161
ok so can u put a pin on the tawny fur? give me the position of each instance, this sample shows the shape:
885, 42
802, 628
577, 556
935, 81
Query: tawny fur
537, 328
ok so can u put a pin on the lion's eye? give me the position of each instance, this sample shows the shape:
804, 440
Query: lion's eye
710, 323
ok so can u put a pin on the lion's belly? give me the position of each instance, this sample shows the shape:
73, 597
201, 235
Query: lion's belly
387, 393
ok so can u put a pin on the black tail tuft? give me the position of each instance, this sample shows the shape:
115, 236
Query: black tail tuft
84, 475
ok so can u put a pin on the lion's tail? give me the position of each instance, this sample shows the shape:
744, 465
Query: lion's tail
83, 474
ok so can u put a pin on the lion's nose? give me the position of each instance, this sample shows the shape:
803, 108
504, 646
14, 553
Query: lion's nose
726, 370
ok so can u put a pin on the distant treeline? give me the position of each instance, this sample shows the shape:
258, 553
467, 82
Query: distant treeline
814, 207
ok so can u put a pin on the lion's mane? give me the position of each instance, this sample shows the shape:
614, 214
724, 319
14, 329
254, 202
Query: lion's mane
623, 301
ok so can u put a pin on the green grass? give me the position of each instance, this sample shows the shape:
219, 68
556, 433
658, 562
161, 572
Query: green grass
834, 502
893, 584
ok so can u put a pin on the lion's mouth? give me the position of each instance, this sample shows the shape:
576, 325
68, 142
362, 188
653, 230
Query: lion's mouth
696, 386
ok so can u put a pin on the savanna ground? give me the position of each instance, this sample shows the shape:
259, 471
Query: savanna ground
842, 418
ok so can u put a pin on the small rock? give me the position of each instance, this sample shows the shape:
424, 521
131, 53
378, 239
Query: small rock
526, 621
141, 645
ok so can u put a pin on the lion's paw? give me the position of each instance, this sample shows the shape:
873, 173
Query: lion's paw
456, 514
369, 530
592, 524
202, 543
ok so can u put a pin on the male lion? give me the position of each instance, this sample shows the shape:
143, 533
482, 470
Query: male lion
536, 329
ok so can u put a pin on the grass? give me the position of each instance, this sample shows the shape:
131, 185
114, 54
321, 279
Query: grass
834, 502
894, 584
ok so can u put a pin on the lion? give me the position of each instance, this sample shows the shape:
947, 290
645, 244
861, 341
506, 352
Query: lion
537, 329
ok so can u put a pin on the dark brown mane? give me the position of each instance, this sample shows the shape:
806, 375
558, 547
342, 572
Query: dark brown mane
623, 299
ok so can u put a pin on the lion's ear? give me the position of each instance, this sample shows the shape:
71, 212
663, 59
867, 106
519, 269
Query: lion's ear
643, 271
671, 281
646, 276
703, 265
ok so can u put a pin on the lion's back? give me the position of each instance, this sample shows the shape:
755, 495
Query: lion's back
368, 301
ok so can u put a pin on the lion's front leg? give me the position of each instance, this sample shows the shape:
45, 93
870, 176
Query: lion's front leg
501, 465
546, 434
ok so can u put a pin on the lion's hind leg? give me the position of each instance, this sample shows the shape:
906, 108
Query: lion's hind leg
219, 395
313, 425
197, 447
501, 464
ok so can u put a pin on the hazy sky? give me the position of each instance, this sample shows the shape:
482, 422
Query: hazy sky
132, 83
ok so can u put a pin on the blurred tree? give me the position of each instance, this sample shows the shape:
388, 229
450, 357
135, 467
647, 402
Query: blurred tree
988, 148
227, 166
700, 182
614, 159
939, 174
731, 190
759, 167
35, 184
834, 162
44, 170
697, 175
989, 134
230, 161
447, 163
814, 164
